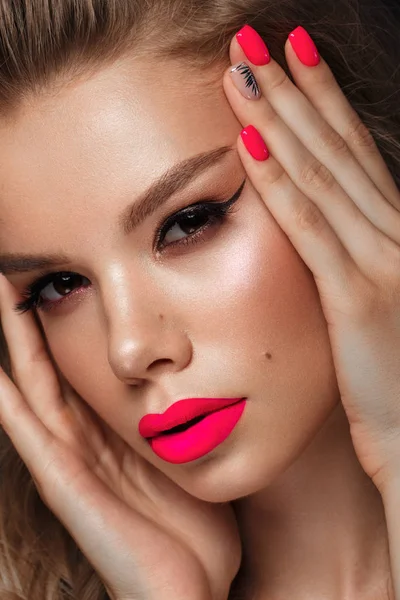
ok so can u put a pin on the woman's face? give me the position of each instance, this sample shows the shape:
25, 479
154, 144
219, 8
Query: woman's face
220, 308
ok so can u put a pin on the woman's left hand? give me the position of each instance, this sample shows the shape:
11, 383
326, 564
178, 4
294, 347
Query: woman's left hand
330, 191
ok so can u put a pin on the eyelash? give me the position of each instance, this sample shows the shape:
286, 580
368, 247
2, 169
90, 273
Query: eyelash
215, 211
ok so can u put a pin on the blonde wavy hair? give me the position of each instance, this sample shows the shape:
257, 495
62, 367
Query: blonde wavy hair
45, 44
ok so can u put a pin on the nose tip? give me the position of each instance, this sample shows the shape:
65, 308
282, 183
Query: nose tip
138, 359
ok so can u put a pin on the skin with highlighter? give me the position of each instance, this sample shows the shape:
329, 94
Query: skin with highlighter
240, 290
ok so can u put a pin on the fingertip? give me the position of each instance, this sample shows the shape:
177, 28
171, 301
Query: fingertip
290, 55
236, 53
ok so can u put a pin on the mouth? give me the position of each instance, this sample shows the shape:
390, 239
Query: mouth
182, 426
181, 415
197, 435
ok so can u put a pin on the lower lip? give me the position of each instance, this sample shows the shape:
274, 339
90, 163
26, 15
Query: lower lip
199, 439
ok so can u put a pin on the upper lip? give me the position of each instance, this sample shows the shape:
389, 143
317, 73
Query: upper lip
181, 412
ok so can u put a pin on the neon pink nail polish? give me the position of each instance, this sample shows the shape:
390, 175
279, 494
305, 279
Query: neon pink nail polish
304, 47
254, 143
253, 46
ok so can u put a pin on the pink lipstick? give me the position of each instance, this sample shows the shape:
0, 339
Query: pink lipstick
191, 428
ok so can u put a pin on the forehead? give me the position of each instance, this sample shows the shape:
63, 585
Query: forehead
100, 141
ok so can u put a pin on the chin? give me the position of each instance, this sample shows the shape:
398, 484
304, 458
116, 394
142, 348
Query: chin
229, 479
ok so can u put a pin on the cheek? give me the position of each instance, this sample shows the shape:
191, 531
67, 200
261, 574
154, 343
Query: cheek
78, 344
255, 290
247, 302
259, 331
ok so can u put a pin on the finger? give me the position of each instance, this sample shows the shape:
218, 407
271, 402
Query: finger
98, 520
102, 524
302, 221
27, 433
33, 370
362, 240
324, 93
325, 144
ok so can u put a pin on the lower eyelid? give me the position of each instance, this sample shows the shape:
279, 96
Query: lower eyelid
192, 237
49, 303
214, 219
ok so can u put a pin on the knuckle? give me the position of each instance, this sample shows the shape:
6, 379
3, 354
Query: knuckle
277, 82
47, 478
269, 115
330, 139
359, 135
372, 300
324, 81
274, 175
389, 272
316, 176
368, 308
309, 217
28, 366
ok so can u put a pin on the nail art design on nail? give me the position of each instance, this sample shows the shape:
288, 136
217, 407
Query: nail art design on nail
245, 81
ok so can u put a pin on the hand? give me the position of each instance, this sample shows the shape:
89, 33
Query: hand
330, 191
146, 537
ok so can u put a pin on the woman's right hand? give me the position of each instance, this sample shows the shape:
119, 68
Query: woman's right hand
146, 537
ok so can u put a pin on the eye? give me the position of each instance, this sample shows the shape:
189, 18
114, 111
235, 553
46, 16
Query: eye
56, 284
187, 224
61, 284
183, 227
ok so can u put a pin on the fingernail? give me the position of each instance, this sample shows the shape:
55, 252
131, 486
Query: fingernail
253, 46
254, 143
243, 78
304, 47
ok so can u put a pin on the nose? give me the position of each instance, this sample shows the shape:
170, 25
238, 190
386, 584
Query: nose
147, 346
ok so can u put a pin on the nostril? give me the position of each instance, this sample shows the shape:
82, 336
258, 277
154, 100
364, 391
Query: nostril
160, 362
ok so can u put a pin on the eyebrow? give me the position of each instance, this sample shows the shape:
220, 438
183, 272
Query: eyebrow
160, 191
